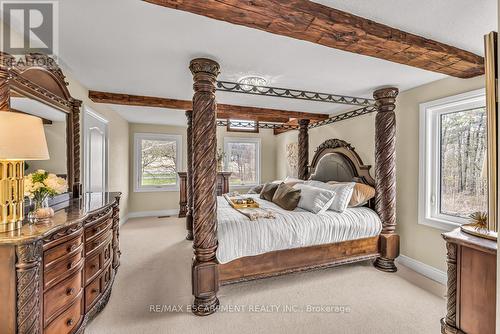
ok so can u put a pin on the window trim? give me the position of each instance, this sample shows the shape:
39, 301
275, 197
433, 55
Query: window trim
257, 141
138, 137
429, 185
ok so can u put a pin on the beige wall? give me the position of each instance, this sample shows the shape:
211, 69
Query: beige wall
118, 142
154, 202
419, 242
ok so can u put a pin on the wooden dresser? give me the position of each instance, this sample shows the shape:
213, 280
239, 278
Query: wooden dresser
222, 188
57, 276
471, 296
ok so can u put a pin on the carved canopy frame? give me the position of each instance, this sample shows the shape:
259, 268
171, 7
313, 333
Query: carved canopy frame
38, 77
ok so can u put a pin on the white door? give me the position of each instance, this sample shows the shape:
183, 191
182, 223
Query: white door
95, 151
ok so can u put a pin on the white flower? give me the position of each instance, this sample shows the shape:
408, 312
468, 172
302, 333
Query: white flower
56, 184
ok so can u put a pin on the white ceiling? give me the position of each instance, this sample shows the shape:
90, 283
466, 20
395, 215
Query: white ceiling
129, 46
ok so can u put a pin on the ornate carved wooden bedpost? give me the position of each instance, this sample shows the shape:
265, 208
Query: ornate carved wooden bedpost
385, 176
303, 149
204, 271
189, 213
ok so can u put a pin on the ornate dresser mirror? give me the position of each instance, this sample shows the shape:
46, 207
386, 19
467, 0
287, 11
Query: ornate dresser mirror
37, 86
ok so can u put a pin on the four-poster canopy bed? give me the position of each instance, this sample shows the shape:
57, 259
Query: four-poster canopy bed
334, 160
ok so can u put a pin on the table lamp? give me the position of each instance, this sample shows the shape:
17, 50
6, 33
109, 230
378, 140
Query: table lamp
22, 137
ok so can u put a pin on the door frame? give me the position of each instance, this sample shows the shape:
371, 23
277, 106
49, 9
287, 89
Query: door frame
87, 113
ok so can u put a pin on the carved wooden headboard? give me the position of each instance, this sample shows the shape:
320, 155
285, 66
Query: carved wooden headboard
336, 160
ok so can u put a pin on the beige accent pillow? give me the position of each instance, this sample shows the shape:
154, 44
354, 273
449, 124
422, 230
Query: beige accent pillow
361, 194
268, 191
286, 197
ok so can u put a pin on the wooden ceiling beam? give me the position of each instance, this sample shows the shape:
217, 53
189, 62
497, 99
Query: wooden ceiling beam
320, 24
224, 111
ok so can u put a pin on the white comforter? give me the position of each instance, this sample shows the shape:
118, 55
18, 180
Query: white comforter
239, 236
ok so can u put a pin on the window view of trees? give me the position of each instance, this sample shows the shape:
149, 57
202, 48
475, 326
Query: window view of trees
242, 162
463, 150
158, 165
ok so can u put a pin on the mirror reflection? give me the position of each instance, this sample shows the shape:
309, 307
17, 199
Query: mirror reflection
54, 122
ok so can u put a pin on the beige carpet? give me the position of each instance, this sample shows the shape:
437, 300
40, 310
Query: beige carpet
155, 269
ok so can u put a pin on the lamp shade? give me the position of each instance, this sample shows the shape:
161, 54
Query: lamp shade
22, 137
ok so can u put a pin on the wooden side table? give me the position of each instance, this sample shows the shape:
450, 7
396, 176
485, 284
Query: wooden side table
472, 275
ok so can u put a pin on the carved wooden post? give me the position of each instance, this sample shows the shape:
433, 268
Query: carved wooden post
303, 149
189, 187
116, 234
204, 167
28, 277
385, 176
449, 324
73, 149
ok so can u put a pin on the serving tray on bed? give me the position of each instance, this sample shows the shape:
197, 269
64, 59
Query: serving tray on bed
240, 202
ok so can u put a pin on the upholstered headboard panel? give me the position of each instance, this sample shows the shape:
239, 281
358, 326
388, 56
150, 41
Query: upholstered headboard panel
336, 160
333, 167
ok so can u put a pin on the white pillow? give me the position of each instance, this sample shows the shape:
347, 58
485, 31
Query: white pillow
342, 191
314, 199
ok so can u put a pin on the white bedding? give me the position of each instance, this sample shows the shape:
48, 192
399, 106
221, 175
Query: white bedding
239, 236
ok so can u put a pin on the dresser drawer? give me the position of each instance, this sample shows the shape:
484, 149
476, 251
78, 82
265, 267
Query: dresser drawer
63, 268
68, 320
93, 292
97, 242
61, 295
65, 249
94, 230
93, 265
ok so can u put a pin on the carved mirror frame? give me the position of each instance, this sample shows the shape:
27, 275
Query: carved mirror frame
38, 77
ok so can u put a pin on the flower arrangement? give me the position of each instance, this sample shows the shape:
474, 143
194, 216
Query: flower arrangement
38, 187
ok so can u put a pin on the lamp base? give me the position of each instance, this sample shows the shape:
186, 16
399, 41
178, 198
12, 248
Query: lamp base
7, 227
11, 194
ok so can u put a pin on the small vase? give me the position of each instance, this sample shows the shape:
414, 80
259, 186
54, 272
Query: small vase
42, 212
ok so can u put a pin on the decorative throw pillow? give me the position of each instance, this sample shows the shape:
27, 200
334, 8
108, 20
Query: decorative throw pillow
343, 193
286, 197
361, 194
256, 189
268, 191
315, 200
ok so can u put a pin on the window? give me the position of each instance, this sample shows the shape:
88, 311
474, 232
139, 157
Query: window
243, 161
453, 181
157, 160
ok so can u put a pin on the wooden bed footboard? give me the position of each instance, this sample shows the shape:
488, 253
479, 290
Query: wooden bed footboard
298, 259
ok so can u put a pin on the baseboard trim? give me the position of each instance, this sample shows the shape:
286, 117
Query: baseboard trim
157, 213
423, 269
